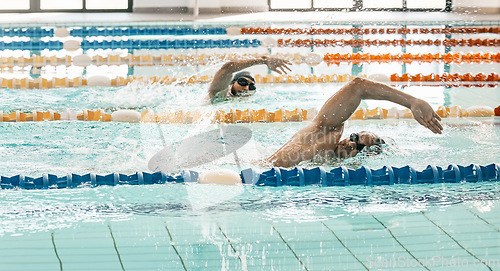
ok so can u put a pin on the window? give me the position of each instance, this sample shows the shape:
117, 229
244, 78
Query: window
57, 4
65, 6
377, 4
108, 4
290, 4
14, 5
416, 4
342, 4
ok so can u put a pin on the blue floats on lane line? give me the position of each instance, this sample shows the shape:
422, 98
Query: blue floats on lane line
298, 176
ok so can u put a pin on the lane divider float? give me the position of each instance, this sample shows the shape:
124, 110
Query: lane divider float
39, 32
131, 60
363, 31
74, 44
275, 177
445, 79
311, 59
62, 32
233, 115
398, 42
358, 58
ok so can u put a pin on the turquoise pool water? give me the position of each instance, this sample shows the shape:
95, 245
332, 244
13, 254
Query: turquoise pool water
214, 227
194, 227
80, 147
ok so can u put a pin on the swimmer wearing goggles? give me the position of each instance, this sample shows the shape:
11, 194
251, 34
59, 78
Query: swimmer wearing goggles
230, 81
322, 136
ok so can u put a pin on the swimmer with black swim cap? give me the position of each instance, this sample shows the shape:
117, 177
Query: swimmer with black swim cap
322, 136
225, 85
243, 84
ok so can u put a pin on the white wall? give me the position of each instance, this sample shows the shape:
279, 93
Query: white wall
260, 4
477, 6
205, 3
477, 3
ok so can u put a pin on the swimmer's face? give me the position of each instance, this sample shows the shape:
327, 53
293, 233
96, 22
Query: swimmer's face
356, 142
242, 86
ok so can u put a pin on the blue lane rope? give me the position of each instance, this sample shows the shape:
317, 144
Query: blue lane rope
129, 31
31, 45
120, 31
343, 176
134, 44
318, 176
170, 44
29, 32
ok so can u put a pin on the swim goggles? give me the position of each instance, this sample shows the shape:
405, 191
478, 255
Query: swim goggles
354, 137
244, 82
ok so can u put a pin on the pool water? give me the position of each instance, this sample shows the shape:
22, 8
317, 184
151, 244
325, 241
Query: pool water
215, 227
59, 148
194, 226
63, 147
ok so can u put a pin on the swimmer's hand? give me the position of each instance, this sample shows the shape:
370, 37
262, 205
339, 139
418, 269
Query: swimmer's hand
277, 64
425, 115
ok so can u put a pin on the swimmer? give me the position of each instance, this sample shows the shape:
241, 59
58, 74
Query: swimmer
322, 136
242, 82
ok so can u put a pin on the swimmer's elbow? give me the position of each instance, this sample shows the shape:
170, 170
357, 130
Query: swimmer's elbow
359, 80
266, 162
359, 85
285, 163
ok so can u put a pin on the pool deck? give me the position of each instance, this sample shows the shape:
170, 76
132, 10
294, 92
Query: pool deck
17, 19
458, 237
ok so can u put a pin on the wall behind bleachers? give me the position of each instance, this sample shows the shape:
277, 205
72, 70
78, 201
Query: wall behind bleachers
205, 6
228, 6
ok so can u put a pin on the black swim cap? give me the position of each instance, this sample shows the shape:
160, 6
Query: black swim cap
242, 74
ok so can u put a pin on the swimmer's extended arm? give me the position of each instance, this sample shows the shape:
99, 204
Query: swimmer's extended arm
342, 104
222, 77
325, 130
